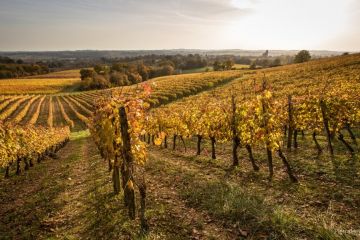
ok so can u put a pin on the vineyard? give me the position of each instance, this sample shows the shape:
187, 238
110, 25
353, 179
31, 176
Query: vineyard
23, 145
64, 81
241, 154
48, 110
73, 109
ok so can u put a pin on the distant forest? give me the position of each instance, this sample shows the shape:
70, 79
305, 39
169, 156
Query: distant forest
132, 70
144, 64
111, 54
10, 68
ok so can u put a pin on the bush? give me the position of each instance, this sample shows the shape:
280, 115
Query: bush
119, 79
86, 73
95, 82
134, 78
167, 70
253, 65
302, 56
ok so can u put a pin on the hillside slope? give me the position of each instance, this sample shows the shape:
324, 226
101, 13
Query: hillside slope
75, 108
297, 79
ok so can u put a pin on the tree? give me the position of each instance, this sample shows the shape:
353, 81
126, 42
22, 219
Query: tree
229, 64
143, 71
167, 70
101, 69
134, 78
264, 62
6, 60
119, 67
100, 82
276, 62
253, 65
119, 79
221, 66
191, 61
86, 73
218, 66
302, 56
97, 81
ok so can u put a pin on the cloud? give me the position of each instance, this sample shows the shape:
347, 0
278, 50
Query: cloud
80, 11
204, 12
121, 24
244, 4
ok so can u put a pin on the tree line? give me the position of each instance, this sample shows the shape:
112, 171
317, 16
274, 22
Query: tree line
122, 74
10, 68
130, 70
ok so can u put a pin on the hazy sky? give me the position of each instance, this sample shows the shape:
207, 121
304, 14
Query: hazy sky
165, 24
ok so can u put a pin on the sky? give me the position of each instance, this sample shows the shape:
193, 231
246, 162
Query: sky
39, 25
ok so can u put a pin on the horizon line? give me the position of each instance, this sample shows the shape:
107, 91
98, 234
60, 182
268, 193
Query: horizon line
179, 49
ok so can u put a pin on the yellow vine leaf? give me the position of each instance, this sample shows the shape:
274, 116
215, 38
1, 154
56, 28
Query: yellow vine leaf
158, 141
130, 184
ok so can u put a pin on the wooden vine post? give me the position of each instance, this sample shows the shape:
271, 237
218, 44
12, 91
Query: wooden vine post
174, 142
236, 140
347, 145
268, 148
116, 170
251, 156
326, 126
290, 123
116, 176
127, 165
199, 138
352, 135
127, 169
213, 142
266, 123
318, 147
165, 142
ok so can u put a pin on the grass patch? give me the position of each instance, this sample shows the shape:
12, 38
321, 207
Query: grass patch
79, 135
198, 70
322, 206
251, 212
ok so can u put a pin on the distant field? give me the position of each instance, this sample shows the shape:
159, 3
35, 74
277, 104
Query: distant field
198, 70
241, 66
62, 74
64, 81
209, 69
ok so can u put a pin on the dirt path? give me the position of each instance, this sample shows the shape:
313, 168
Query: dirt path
71, 198
70, 219
196, 224
49, 196
28, 200
168, 175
